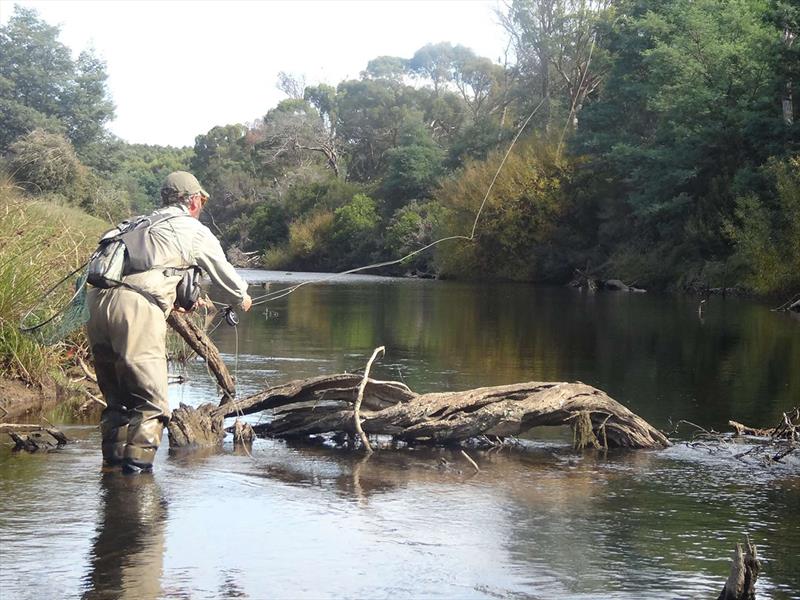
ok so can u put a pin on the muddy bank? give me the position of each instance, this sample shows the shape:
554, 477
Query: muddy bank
22, 402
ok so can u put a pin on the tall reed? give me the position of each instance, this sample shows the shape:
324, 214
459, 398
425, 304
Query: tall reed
40, 242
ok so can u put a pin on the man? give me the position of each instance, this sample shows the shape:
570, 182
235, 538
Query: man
127, 325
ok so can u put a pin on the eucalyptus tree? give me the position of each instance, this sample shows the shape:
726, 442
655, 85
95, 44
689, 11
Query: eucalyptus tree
558, 57
42, 87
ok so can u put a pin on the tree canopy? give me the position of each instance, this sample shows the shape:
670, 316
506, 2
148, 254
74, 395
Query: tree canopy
660, 145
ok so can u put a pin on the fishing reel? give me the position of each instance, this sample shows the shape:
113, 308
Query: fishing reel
231, 318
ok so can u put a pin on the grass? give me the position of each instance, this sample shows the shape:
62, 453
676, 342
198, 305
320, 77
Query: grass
40, 242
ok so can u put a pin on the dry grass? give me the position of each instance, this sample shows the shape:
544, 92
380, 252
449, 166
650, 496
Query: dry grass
40, 242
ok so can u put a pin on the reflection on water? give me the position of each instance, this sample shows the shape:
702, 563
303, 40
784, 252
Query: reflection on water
300, 521
128, 552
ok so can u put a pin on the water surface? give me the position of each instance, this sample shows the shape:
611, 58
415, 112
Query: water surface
539, 521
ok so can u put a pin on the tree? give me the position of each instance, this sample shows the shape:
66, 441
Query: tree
766, 231
557, 54
293, 131
393, 68
355, 232
413, 166
42, 87
689, 114
412, 227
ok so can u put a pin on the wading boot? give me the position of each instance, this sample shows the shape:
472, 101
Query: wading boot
134, 467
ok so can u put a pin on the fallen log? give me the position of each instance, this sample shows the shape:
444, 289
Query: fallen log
198, 341
326, 405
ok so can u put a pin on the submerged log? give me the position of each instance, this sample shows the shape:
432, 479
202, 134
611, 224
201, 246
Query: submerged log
37, 439
326, 405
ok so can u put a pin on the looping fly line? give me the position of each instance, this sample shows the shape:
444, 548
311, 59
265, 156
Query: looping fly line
278, 294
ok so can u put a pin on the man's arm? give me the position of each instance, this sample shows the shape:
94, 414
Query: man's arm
210, 257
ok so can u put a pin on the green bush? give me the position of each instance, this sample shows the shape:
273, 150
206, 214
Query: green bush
413, 227
355, 233
766, 231
44, 162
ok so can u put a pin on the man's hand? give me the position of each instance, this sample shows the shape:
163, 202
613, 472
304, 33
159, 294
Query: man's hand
247, 302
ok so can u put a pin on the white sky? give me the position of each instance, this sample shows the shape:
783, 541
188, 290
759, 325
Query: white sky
178, 68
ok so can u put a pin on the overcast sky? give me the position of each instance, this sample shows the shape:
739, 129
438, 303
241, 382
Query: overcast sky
176, 69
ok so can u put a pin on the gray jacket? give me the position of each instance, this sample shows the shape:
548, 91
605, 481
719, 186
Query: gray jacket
182, 242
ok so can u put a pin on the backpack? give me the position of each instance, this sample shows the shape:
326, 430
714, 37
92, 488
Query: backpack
125, 250
122, 251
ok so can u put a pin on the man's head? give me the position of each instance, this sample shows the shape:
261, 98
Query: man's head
181, 187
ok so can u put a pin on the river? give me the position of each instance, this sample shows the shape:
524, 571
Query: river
538, 521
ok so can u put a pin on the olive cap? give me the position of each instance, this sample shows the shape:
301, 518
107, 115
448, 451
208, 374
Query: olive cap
180, 184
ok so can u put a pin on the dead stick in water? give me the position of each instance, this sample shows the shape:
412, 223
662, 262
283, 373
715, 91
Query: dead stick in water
95, 398
472, 462
86, 370
362, 386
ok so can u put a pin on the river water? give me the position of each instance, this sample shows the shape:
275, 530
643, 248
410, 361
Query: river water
538, 521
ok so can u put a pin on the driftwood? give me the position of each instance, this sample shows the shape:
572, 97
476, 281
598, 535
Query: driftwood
243, 433
326, 405
205, 348
37, 438
191, 426
745, 566
791, 305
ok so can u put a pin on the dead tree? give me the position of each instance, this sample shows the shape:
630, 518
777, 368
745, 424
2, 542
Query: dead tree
332, 403
326, 405
741, 583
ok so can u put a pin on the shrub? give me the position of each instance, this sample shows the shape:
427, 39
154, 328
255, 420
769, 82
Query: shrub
44, 162
766, 231
519, 223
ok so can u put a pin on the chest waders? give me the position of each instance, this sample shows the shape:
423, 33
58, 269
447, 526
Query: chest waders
127, 332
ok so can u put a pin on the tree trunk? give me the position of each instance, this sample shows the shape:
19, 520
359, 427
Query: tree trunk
741, 584
326, 405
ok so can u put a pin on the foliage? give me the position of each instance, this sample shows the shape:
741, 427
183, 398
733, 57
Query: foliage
659, 148
44, 162
309, 239
690, 110
413, 166
41, 86
269, 226
766, 231
355, 235
411, 228
518, 221
39, 244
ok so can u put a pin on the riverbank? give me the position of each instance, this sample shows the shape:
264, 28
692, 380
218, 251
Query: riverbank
40, 243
